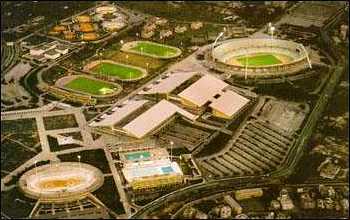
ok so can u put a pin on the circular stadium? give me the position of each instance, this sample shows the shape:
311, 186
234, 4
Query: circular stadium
246, 58
61, 182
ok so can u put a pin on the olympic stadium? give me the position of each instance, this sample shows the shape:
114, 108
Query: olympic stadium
61, 182
247, 58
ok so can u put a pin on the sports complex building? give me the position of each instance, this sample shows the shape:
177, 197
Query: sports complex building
150, 169
64, 190
186, 95
249, 58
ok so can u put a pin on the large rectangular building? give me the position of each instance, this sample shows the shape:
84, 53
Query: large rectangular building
210, 90
154, 118
152, 174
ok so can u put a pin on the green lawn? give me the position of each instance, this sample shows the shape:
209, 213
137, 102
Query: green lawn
122, 72
259, 60
154, 49
94, 87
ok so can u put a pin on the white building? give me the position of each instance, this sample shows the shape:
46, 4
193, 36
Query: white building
225, 212
52, 54
115, 24
36, 51
62, 49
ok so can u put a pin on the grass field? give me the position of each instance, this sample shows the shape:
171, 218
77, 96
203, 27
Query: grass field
154, 49
145, 62
91, 86
259, 60
119, 71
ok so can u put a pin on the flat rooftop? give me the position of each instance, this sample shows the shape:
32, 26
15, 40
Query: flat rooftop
154, 117
229, 103
168, 82
146, 169
203, 90
119, 112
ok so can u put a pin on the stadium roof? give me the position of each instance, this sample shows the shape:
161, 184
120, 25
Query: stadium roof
229, 103
119, 112
170, 83
151, 168
203, 90
154, 117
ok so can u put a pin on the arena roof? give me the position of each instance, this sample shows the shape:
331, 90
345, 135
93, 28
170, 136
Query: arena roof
170, 83
154, 117
151, 168
119, 112
229, 103
203, 90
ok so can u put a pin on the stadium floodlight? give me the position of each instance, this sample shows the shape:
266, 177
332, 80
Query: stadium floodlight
36, 170
272, 30
171, 149
79, 160
220, 35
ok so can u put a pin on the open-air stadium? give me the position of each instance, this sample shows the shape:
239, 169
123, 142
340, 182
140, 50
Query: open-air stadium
248, 58
111, 69
151, 49
61, 182
88, 86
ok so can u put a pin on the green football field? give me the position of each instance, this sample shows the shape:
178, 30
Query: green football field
119, 71
154, 49
93, 87
259, 60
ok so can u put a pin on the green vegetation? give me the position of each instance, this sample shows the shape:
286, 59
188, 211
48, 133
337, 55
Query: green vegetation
19, 143
53, 74
91, 86
259, 60
108, 194
54, 146
154, 49
96, 158
121, 72
147, 63
15, 204
60, 122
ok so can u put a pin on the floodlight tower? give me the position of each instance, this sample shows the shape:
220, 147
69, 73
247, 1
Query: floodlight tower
272, 31
171, 149
79, 161
36, 169
220, 35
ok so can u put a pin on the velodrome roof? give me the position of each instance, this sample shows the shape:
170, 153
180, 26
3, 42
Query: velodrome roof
154, 117
203, 90
229, 103
151, 168
170, 83
119, 113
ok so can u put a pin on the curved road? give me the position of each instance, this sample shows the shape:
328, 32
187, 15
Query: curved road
216, 186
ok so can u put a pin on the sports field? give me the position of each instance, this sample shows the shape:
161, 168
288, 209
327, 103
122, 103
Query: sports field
115, 70
91, 86
258, 60
151, 49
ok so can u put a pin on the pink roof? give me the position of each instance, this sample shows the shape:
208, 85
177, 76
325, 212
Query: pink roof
229, 103
154, 117
119, 113
203, 90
